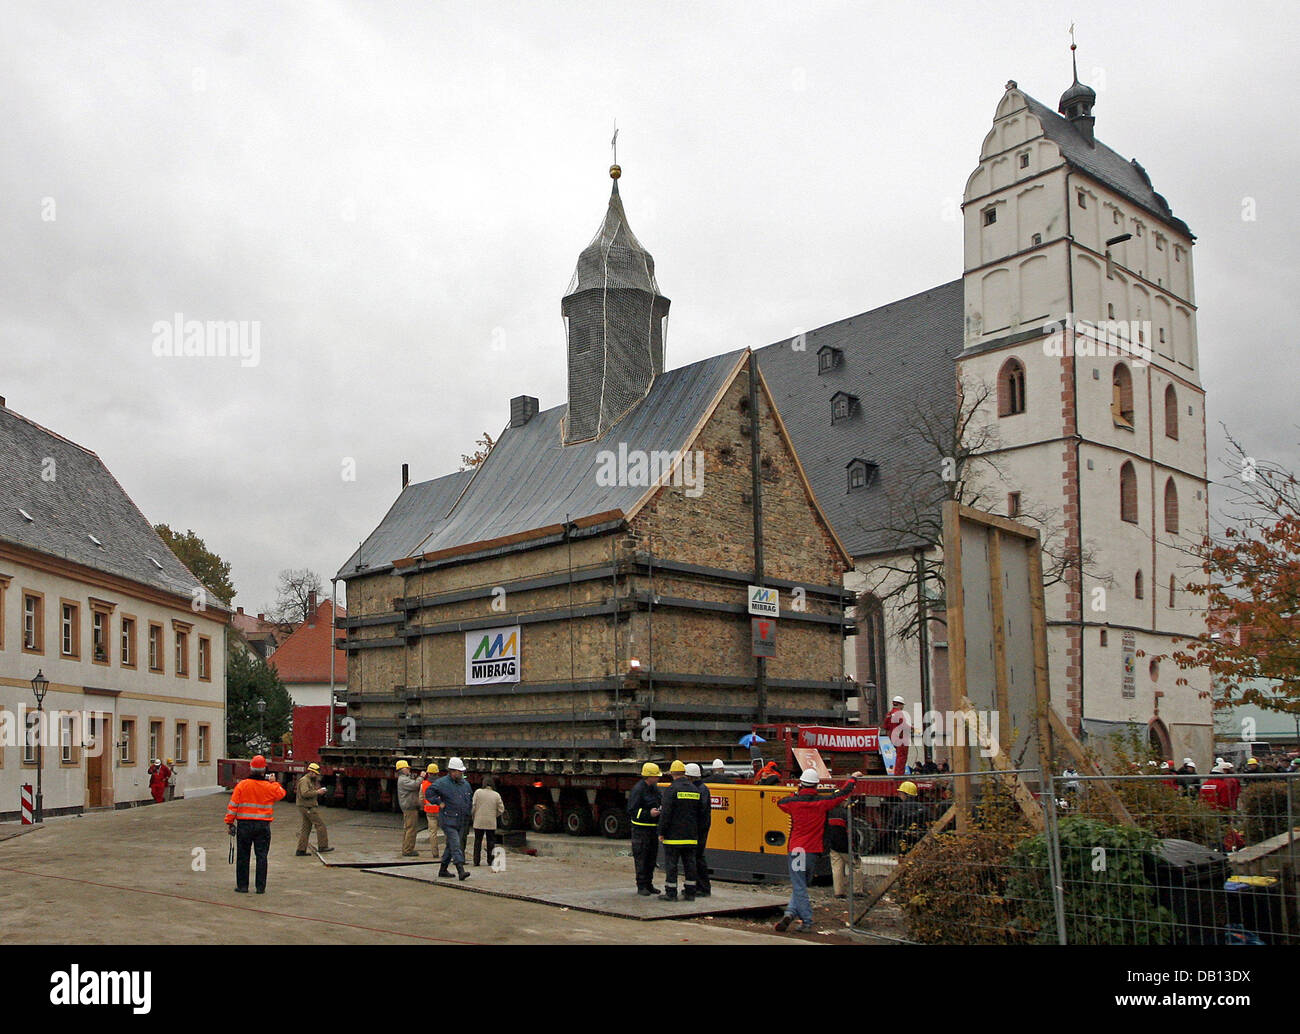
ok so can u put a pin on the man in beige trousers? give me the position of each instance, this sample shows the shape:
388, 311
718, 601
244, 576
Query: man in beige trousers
408, 799
308, 800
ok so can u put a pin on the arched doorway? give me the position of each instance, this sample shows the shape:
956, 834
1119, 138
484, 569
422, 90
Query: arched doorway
1158, 737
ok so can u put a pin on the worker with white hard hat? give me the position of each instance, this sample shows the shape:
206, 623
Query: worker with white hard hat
719, 772
703, 886
456, 807
898, 727
807, 810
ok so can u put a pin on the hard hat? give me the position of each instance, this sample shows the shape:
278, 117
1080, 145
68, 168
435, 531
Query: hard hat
432, 769
403, 764
1189, 761
650, 769
809, 777
898, 700
170, 761
1151, 764
908, 788
1218, 761
719, 763
456, 765
1294, 762
258, 764
693, 770
1165, 766
1253, 761
155, 761
313, 767
677, 766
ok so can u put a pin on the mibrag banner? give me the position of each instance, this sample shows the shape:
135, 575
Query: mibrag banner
492, 655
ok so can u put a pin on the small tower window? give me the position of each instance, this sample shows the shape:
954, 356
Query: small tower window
828, 358
1011, 388
1121, 402
1013, 504
1114, 217
1083, 200
1128, 493
1138, 591
990, 215
1160, 243
1171, 507
1110, 310
1173, 588
1171, 412
1037, 238
1024, 159
1137, 229
843, 406
862, 474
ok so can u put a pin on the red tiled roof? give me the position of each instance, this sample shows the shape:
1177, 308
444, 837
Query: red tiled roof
305, 655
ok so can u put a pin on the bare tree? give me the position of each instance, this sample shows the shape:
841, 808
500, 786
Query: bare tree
294, 594
959, 461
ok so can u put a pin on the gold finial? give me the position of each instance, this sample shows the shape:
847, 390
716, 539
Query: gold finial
614, 171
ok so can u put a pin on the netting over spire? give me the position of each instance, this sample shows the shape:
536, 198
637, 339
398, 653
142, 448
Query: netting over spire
614, 316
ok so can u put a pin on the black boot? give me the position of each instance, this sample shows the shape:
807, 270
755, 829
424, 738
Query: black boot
464, 875
688, 892
443, 873
670, 894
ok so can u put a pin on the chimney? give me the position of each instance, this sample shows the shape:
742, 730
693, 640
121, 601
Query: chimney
311, 604
241, 610
522, 409
406, 474
261, 617
2, 402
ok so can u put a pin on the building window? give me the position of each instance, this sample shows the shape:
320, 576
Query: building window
205, 744
1110, 310
31, 737
1024, 159
1036, 239
828, 358
1103, 637
126, 743
4, 585
182, 742
1114, 216
128, 642
1171, 412
990, 215
205, 659
155, 739
33, 622
1160, 243
1128, 493
65, 740
862, 474
1137, 229
1121, 402
1173, 588
182, 654
1137, 586
1171, 507
1162, 335
1083, 201
843, 406
1011, 388
1013, 504
70, 630
99, 637
155, 649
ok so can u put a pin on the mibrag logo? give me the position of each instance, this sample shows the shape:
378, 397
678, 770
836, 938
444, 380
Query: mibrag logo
492, 655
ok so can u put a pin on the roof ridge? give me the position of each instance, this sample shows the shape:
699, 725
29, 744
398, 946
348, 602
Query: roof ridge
869, 312
45, 430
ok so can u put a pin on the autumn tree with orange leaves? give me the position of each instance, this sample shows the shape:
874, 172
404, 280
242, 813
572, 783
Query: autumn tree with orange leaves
1252, 588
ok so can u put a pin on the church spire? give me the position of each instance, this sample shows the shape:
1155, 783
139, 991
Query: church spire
1077, 101
614, 315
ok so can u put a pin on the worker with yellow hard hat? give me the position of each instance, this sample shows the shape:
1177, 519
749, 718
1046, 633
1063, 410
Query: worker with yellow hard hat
431, 810
908, 819
408, 799
309, 791
643, 805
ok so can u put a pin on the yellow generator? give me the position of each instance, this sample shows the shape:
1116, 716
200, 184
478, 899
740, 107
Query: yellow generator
749, 834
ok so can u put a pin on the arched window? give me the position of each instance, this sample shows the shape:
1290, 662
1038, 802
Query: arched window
1171, 507
1172, 591
870, 649
1137, 586
1171, 412
1121, 402
1128, 493
1011, 388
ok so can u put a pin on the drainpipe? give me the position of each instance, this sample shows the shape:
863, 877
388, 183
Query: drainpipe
756, 500
334, 617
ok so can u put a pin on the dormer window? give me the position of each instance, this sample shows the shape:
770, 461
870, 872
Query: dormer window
828, 359
862, 474
843, 406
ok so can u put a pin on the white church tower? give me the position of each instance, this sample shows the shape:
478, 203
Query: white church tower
1080, 312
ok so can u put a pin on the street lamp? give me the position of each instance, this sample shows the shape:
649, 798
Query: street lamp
40, 686
261, 711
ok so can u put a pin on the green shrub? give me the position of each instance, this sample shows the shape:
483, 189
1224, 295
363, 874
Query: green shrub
1108, 896
1263, 808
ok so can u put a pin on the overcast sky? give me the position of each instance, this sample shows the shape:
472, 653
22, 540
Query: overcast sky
397, 194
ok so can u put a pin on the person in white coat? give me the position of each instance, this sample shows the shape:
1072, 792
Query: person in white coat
487, 807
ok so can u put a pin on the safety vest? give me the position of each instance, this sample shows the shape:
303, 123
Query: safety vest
429, 809
252, 799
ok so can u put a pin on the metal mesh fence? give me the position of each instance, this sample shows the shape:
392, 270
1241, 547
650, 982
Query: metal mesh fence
1147, 860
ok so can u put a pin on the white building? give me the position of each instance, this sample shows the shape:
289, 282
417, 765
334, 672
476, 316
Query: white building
1076, 315
132, 646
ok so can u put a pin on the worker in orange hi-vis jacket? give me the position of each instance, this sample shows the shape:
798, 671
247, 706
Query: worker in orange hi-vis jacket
899, 730
248, 818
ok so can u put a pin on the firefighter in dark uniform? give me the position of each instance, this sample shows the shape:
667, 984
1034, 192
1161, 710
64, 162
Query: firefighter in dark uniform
643, 809
681, 815
703, 887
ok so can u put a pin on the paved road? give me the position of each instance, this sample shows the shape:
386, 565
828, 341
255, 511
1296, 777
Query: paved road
158, 874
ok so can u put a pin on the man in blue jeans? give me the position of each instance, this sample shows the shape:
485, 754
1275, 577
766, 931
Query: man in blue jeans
452, 794
807, 811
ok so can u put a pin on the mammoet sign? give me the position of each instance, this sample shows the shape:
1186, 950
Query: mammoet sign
492, 655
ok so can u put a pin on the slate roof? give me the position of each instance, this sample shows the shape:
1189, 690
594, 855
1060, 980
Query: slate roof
897, 357
304, 657
1126, 178
81, 499
531, 481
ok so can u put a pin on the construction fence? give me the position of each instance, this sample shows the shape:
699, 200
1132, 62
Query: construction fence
1008, 858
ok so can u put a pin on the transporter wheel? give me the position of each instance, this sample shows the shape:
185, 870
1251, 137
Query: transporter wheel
543, 819
512, 817
864, 838
615, 824
350, 794
578, 821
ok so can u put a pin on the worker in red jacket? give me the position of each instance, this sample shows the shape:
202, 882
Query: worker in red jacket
1222, 790
158, 776
899, 730
807, 810
768, 775
248, 819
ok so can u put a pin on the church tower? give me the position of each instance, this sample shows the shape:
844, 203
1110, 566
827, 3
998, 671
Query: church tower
1080, 318
614, 316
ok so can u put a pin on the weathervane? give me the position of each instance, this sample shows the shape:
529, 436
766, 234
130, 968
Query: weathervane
614, 171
